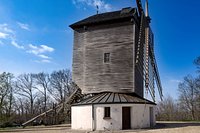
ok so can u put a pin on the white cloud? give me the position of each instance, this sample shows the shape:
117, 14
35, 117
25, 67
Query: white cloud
44, 56
5, 28
108, 7
39, 49
3, 35
103, 6
8, 30
4, 31
32, 46
8, 35
47, 49
14, 43
23, 26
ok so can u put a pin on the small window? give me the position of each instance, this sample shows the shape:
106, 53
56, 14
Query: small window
107, 112
106, 57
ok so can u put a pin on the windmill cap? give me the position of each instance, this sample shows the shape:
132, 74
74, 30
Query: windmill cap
109, 17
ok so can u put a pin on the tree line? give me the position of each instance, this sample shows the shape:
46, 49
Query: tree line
187, 106
29, 94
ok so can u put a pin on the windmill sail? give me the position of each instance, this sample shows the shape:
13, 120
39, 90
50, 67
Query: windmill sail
147, 64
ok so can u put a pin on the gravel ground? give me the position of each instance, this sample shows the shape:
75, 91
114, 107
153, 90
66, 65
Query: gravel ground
161, 127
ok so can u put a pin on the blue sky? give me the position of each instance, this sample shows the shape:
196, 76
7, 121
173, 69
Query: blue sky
35, 34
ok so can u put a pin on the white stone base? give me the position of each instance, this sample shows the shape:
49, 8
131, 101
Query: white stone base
91, 117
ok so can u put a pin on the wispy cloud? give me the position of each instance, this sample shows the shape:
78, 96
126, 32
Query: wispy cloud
5, 31
39, 49
8, 36
102, 5
23, 26
3, 35
44, 56
8, 30
14, 43
5, 27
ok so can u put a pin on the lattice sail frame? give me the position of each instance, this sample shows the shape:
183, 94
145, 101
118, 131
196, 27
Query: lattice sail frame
149, 81
147, 64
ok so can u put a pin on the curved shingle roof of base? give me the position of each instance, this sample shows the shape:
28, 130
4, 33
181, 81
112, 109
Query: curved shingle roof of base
113, 98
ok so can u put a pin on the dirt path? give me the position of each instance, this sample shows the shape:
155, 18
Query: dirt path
162, 127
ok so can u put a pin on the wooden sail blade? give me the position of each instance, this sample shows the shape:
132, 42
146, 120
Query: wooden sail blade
158, 82
140, 39
146, 8
155, 68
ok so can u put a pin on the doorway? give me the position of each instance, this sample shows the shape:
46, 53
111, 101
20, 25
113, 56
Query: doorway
126, 118
151, 116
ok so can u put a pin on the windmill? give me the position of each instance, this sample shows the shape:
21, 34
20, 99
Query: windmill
145, 57
113, 63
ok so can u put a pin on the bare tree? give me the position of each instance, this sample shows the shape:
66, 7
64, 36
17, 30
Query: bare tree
167, 109
3, 91
19, 106
30, 94
11, 100
42, 83
26, 89
20, 115
6, 93
197, 96
61, 84
187, 95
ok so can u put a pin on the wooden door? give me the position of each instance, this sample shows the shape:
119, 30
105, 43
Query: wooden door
126, 118
151, 116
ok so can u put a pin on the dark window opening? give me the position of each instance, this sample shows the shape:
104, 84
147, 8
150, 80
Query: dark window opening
107, 112
106, 57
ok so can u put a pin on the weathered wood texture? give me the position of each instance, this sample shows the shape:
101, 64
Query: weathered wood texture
91, 74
